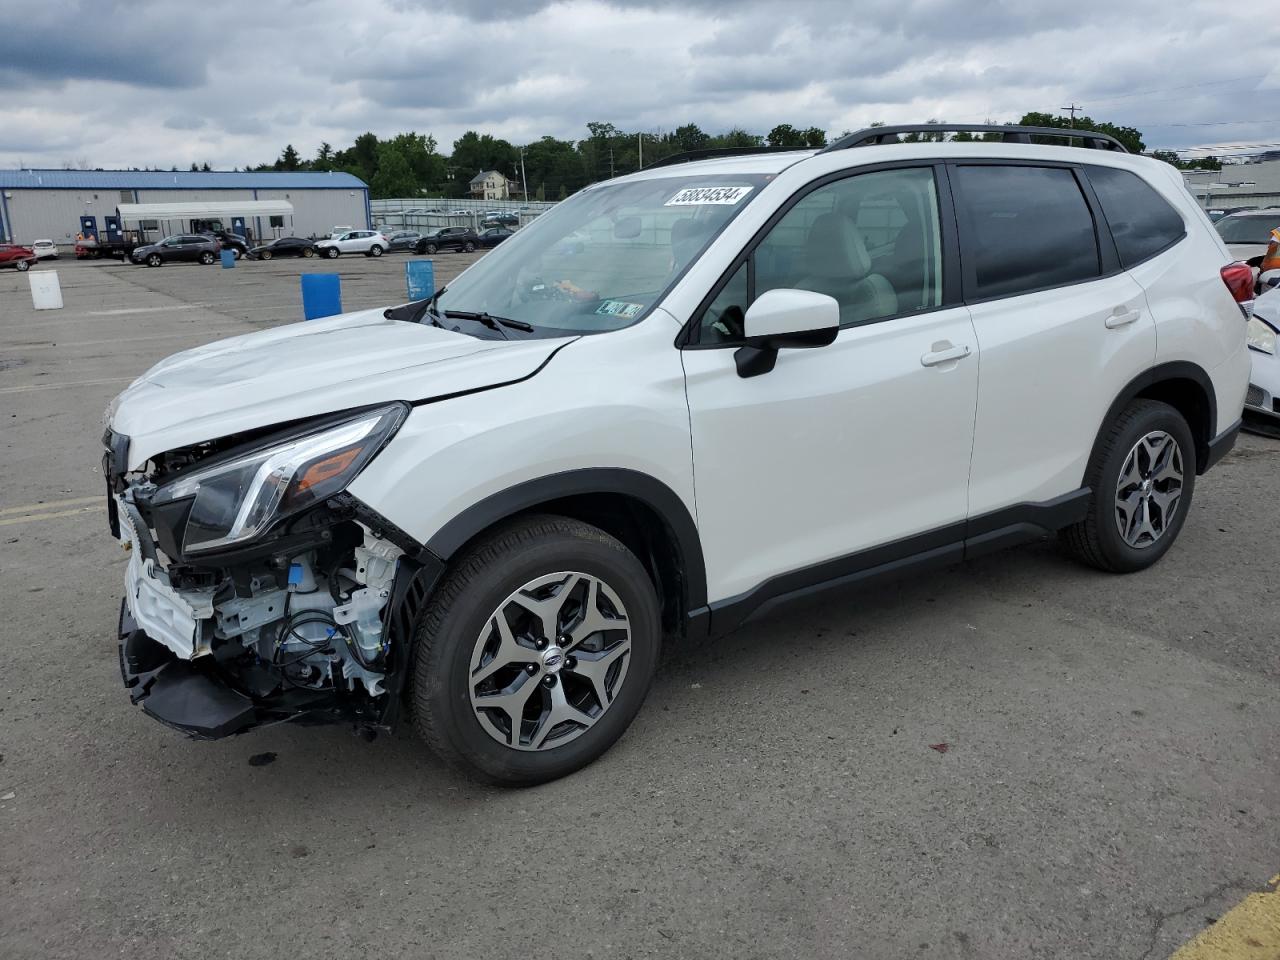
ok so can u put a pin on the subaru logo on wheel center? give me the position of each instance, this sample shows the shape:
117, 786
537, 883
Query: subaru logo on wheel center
552, 659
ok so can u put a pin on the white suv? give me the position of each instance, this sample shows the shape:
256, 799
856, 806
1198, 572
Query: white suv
369, 242
746, 378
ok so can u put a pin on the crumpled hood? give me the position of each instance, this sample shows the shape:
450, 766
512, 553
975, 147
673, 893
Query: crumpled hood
307, 369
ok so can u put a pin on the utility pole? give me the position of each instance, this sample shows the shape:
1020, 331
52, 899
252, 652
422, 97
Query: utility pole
611, 161
1072, 110
524, 181
640, 146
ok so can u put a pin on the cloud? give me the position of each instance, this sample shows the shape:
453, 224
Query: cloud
154, 83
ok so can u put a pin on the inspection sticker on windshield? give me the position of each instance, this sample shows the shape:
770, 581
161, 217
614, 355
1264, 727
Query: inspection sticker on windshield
695, 196
619, 308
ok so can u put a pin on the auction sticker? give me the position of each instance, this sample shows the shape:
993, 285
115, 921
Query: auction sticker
696, 196
619, 308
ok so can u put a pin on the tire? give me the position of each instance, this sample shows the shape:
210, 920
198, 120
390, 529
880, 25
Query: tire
237, 252
331, 252
23, 266
468, 247
458, 628
1098, 539
265, 255
206, 258
308, 253
154, 260
429, 249
375, 251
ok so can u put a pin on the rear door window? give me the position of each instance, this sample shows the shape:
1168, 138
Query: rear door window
1023, 228
1141, 221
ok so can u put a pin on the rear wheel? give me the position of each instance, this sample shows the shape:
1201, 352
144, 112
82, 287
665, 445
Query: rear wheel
1143, 477
236, 252
536, 652
308, 253
375, 251
468, 247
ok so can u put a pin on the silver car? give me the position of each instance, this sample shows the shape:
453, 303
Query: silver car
1247, 233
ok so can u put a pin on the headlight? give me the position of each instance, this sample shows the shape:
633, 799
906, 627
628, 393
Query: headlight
239, 499
1261, 336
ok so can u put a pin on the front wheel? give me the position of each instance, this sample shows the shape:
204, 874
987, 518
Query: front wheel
236, 252
265, 255
536, 652
206, 258
331, 253
153, 260
429, 249
23, 266
1143, 476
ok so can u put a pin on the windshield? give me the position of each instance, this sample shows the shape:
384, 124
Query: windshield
601, 259
1252, 229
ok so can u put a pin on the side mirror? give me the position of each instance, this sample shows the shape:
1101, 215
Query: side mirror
787, 318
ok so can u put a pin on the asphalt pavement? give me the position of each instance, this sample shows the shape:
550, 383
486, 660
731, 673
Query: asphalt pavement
1017, 758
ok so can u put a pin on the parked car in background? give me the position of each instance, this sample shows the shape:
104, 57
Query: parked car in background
403, 240
185, 247
45, 250
88, 248
16, 255
494, 236
369, 242
1248, 232
230, 241
284, 247
500, 220
1262, 401
1217, 213
448, 238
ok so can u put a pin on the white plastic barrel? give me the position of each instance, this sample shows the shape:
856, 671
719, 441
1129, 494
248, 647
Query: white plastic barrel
46, 294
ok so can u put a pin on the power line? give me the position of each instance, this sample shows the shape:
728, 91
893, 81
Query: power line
1184, 86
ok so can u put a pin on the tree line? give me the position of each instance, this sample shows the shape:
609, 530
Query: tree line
411, 164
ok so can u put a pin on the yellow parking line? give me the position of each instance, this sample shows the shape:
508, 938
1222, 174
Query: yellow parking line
29, 518
58, 386
1248, 931
52, 505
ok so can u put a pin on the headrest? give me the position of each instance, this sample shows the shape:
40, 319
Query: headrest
835, 250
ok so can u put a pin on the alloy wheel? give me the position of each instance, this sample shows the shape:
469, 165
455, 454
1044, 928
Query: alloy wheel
550, 661
1149, 489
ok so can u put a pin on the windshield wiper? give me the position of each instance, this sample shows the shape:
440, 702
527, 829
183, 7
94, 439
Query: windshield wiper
489, 320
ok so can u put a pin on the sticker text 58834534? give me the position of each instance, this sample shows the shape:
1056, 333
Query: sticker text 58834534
695, 196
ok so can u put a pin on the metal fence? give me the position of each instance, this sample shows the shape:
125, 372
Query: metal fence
426, 213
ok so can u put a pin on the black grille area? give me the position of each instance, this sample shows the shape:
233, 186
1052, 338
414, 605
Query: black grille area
1255, 396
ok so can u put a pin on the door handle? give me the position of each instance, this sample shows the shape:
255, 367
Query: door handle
1121, 318
943, 353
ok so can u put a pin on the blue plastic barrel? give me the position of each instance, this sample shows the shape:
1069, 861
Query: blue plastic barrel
228, 258
321, 295
420, 278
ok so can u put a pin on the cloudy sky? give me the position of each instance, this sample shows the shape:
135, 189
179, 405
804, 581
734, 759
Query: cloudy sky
230, 82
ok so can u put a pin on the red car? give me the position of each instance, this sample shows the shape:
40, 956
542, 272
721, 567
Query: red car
11, 254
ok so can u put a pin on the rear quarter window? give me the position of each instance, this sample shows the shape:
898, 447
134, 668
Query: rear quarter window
1142, 222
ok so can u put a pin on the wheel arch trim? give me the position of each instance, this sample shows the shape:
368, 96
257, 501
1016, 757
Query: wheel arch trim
529, 494
1162, 373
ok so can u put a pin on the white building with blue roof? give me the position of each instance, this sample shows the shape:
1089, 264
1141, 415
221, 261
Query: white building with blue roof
60, 205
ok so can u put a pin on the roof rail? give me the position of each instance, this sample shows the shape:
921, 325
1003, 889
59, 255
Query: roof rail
710, 153
1010, 134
